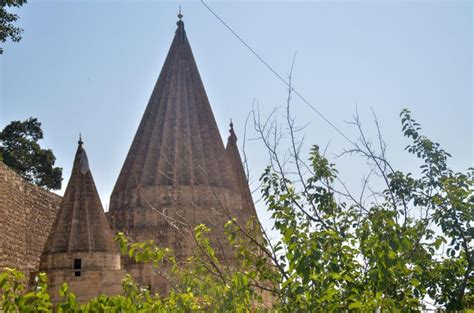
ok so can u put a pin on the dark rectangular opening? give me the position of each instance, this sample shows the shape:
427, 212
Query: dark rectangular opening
77, 266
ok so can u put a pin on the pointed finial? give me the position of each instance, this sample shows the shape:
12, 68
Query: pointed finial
80, 142
232, 136
180, 16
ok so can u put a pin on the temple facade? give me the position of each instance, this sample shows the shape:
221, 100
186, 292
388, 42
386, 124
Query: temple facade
176, 175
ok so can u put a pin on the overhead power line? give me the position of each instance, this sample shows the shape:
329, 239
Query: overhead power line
284, 81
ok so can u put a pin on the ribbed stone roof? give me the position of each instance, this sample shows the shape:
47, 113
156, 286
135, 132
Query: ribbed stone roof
80, 224
177, 141
240, 182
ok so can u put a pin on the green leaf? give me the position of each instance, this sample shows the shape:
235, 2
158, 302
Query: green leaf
415, 282
356, 305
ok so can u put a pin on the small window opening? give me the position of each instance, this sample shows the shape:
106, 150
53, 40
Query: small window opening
77, 267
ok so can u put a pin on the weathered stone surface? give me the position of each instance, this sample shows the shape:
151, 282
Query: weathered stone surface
177, 141
177, 173
80, 224
90, 284
80, 249
26, 215
89, 260
238, 177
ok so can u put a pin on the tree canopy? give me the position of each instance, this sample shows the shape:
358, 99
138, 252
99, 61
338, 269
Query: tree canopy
8, 30
19, 149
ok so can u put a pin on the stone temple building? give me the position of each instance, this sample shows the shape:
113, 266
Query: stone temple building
177, 169
177, 174
80, 249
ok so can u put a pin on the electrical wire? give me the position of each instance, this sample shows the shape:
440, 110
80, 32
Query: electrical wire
278, 75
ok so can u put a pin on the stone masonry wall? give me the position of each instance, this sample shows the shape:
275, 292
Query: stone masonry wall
26, 215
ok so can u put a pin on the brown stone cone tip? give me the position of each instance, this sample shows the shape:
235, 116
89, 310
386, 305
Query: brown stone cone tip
239, 178
177, 142
80, 224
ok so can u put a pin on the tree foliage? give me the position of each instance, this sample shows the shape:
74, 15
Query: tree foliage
19, 149
414, 242
8, 30
408, 249
197, 287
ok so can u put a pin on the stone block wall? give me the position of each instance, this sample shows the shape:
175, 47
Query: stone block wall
168, 215
98, 273
89, 285
26, 215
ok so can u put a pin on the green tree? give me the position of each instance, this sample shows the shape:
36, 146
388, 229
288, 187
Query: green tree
20, 150
339, 252
7, 20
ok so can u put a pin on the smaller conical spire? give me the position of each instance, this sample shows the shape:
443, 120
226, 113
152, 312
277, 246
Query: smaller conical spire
80, 224
80, 248
239, 178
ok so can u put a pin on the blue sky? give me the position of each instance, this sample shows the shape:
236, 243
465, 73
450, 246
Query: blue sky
90, 66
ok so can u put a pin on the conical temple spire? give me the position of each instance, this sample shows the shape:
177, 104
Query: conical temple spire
177, 142
177, 168
80, 224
